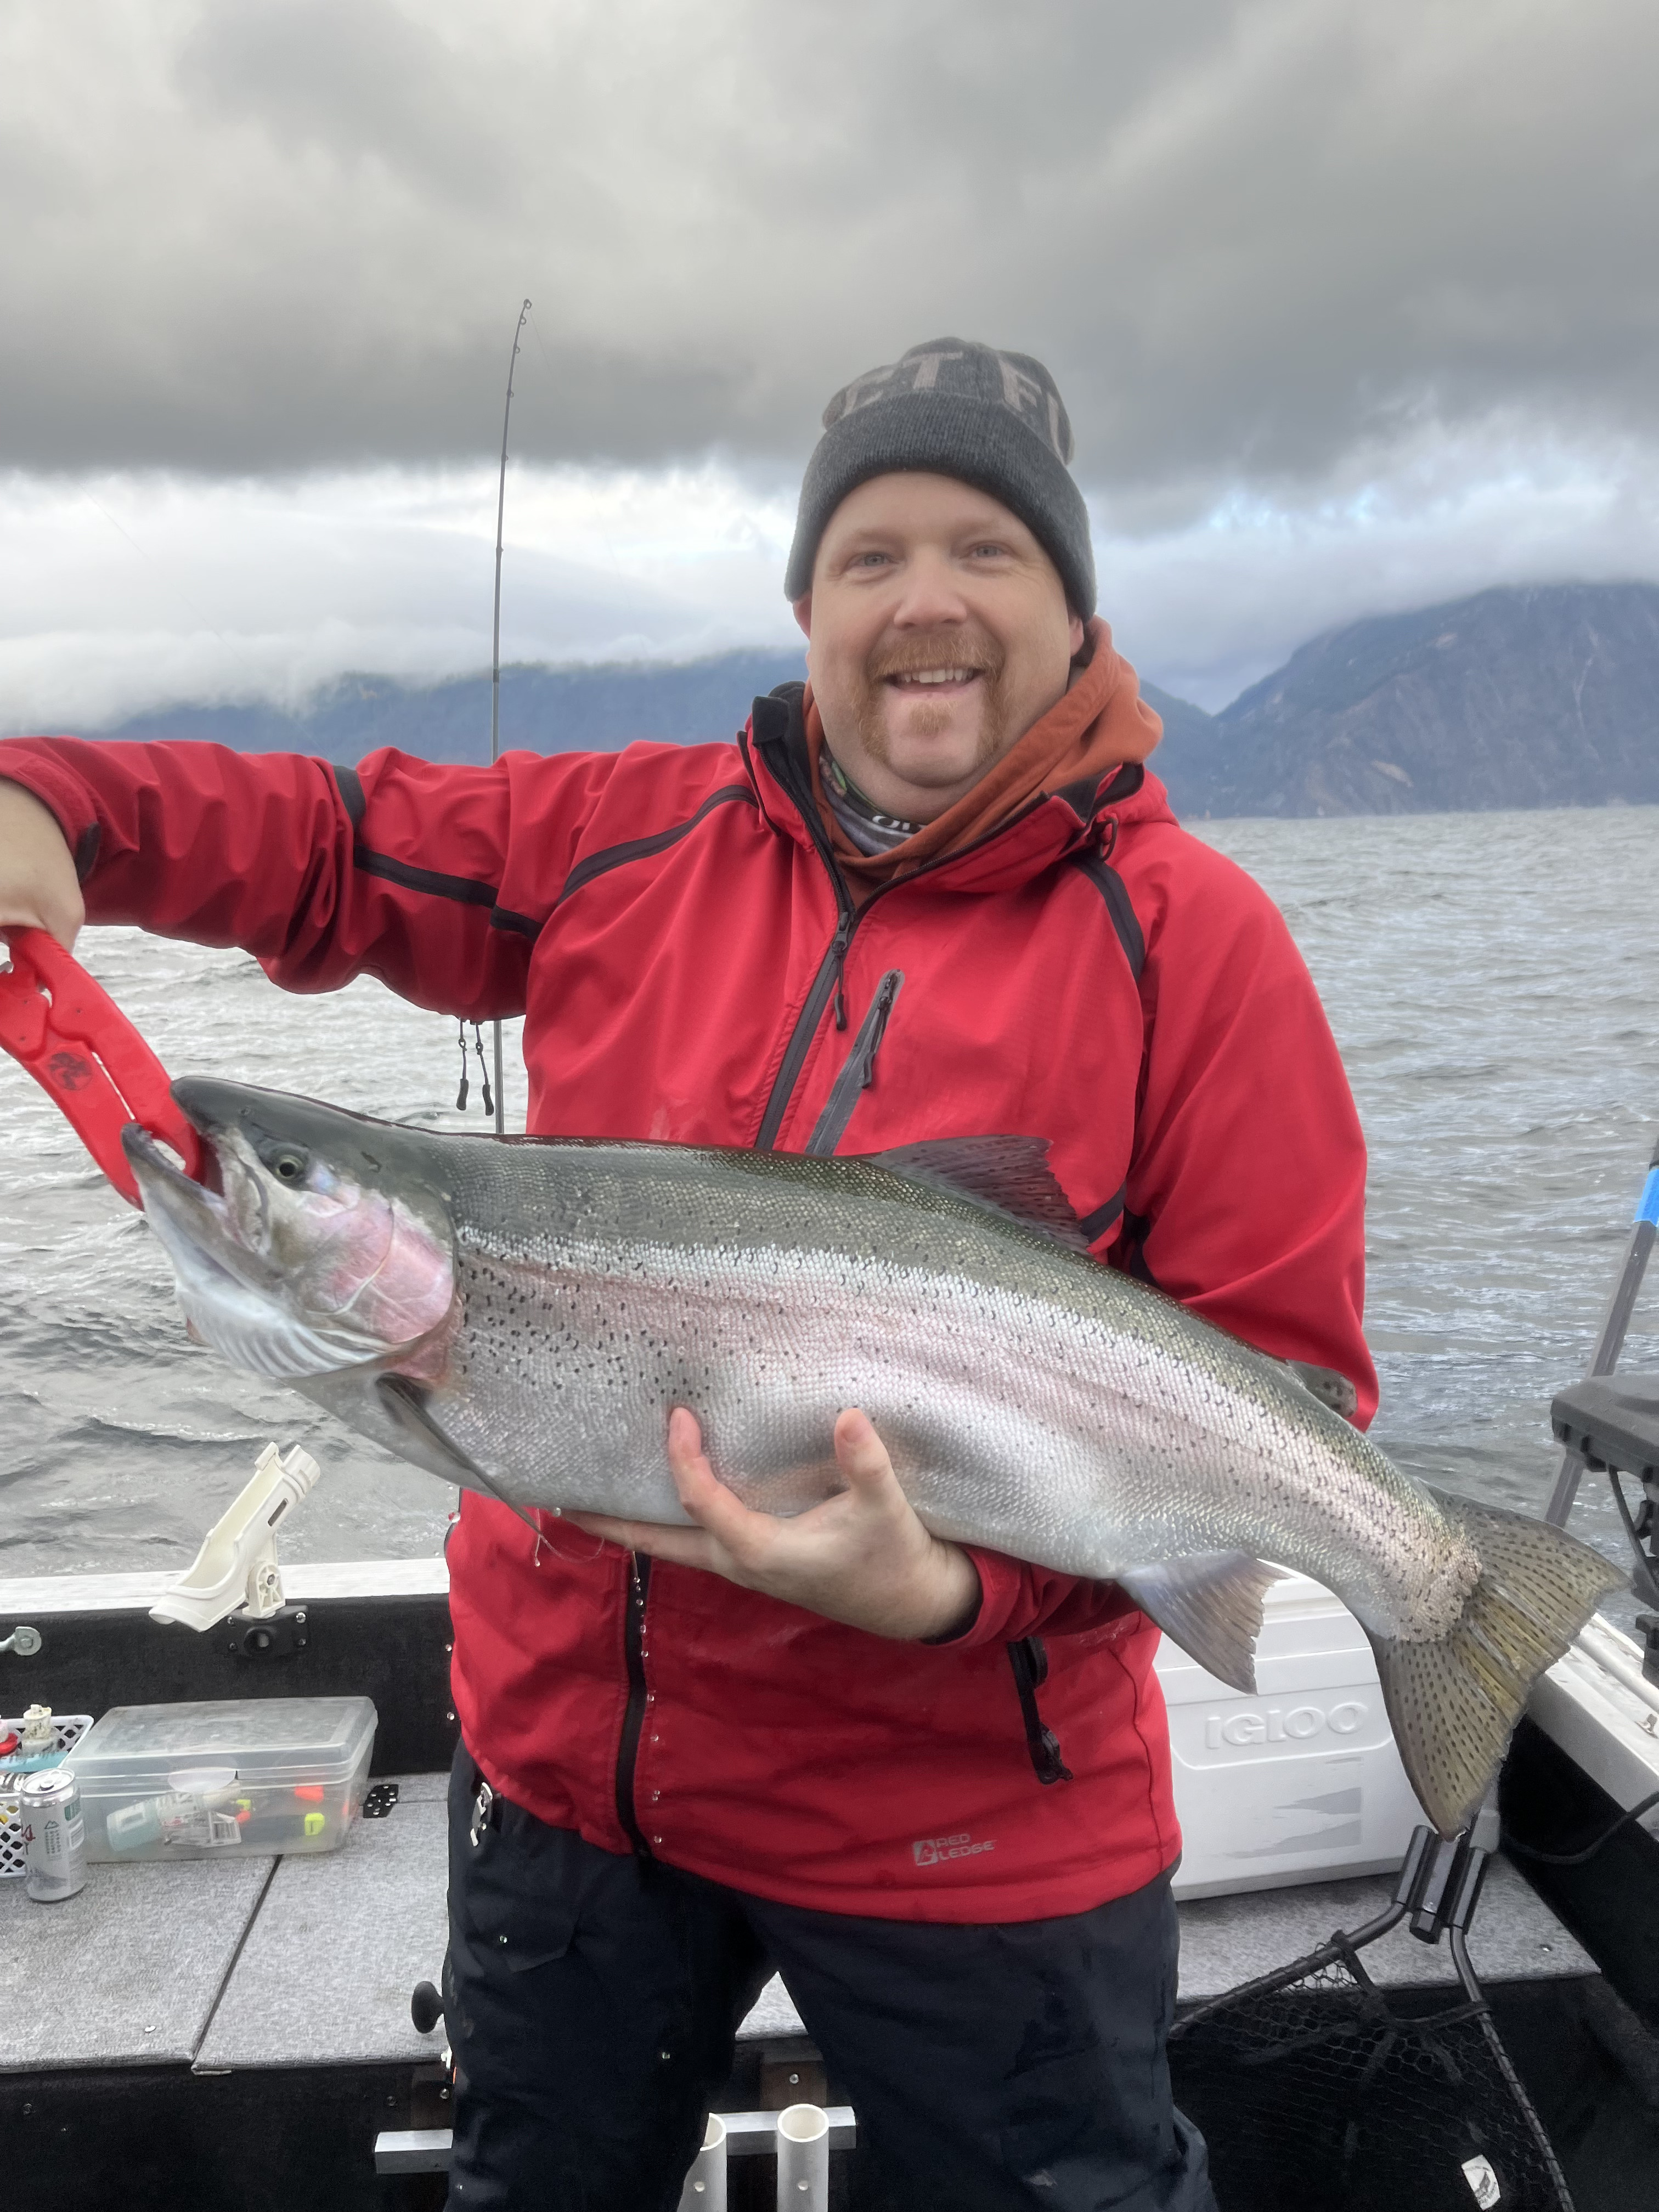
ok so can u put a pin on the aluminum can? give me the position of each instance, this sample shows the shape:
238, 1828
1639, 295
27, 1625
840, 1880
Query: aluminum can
54, 1835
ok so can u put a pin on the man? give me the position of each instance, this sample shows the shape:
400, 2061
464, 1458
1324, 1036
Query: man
934, 894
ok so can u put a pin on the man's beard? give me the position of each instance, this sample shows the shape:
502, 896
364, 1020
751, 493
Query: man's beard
963, 646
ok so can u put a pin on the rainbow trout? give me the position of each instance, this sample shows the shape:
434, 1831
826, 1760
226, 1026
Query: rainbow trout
519, 1316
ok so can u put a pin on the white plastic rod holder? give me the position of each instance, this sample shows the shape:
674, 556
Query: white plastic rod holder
803, 2158
237, 1566
705, 2185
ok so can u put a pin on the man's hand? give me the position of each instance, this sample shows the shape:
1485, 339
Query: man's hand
862, 1557
37, 885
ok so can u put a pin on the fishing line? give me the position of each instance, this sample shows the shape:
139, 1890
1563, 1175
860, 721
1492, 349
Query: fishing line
535, 332
544, 1536
171, 583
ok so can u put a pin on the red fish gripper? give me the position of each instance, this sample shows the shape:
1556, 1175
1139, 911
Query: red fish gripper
83, 1052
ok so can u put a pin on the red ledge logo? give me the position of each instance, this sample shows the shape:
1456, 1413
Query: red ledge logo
934, 1850
68, 1071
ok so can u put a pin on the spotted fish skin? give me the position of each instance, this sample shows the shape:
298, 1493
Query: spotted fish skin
571, 1292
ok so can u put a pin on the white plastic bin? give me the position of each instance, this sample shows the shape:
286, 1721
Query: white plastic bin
195, 1781
1301, 1783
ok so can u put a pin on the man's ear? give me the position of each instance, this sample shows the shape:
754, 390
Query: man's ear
803, 612
1078, 631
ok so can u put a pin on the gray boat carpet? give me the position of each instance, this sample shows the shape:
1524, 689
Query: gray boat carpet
126, 1972
145, 1966
1514, 1936
339, 1944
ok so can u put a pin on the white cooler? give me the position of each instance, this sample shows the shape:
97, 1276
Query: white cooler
1301, 1783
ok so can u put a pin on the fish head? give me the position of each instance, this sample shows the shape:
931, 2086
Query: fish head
324, 1246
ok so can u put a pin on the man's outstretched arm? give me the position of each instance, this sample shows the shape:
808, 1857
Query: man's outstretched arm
399, 868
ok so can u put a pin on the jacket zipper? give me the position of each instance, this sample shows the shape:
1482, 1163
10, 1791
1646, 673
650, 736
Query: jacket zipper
832, 967
1028, 1657
828, 981
639, 1589
857, 1070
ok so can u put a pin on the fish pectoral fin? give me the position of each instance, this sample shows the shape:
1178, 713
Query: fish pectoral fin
405, 1404
1209, 1604
1008, 1175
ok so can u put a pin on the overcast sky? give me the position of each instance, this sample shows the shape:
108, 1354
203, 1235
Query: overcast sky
1354, 307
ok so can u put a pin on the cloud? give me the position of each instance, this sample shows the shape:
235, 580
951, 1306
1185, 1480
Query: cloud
1352, 308
121, 593
1207, 606
1250, 236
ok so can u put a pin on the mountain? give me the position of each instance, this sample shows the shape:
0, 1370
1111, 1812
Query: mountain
1191, 756
550, 710
1543, 696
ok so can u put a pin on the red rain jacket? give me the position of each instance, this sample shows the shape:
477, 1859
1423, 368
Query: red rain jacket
665, 919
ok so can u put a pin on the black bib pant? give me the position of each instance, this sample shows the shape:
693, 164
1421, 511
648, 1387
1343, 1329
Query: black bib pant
592, 2000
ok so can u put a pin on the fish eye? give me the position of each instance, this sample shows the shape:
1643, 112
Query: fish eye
288, 1162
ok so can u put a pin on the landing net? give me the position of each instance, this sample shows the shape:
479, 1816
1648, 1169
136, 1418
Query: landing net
1315, 2089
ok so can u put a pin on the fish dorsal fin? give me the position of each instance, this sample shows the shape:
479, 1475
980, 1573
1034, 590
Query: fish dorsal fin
1010, 1175
1325, 1385
1209, 1604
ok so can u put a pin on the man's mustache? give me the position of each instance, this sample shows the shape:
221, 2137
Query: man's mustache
974, 651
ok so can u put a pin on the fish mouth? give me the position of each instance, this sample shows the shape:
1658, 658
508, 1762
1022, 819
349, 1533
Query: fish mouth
229, 1297
243, 1282
190, 1217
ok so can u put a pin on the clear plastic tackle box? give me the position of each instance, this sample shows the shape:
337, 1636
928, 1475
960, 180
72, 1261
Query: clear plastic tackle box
237, 1774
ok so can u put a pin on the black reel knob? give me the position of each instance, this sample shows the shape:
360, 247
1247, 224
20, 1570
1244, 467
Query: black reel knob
426, 2008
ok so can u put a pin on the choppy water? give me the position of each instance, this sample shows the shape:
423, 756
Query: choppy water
1492, 980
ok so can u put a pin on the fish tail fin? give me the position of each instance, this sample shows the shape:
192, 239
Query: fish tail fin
1454, 1701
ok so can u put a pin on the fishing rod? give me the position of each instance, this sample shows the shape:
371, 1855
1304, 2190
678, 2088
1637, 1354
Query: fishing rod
495, 658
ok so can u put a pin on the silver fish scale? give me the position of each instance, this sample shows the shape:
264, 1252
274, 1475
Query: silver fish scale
1033, 1402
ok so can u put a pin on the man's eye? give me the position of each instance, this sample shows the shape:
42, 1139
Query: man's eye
990, 550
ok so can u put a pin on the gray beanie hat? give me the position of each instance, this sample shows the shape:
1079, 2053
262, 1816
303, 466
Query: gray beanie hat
993, 420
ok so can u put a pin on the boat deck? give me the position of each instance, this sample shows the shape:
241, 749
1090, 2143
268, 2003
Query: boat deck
224, 1965
237, 2031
